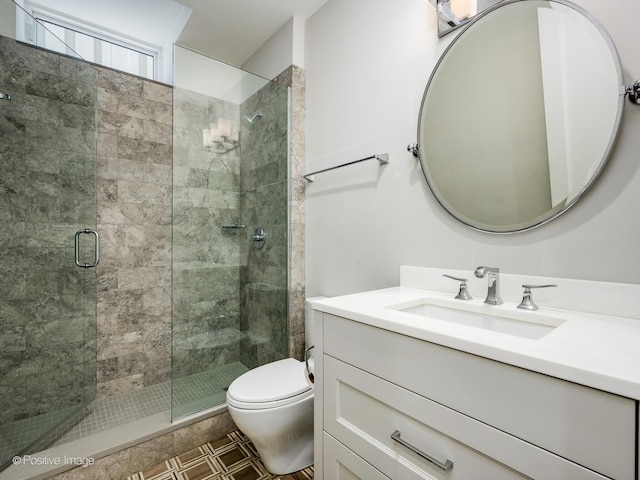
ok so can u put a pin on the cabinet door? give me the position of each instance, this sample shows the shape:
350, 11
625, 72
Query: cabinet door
340, 463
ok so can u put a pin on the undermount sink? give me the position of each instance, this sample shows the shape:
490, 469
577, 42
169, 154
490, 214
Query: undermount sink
525, 324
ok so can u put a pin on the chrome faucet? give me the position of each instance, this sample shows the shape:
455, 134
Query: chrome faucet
493, 275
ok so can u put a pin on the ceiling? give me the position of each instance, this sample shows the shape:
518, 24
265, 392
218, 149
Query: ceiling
228, 30
233, 30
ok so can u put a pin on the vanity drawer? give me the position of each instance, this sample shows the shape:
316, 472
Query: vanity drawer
590, 427
340, 463
363, 411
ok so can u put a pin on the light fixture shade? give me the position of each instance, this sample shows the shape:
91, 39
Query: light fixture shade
207, 140
222, 134
464, 9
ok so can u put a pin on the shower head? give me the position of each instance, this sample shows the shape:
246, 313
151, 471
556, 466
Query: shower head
249, 122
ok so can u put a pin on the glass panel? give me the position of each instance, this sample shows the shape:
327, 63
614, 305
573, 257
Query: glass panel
47, 194
230, 178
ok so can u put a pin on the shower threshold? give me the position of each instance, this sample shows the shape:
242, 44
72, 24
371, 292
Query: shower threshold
122, 421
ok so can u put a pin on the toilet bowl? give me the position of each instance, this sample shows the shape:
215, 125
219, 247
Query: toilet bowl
273, 406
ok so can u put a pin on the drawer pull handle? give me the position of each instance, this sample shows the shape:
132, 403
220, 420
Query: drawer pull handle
446, 466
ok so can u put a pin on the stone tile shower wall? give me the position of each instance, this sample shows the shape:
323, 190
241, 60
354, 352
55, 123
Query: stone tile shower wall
47, 193
134, 219
206, 192
294, 78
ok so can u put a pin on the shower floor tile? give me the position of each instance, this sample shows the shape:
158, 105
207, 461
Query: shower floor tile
232, 458
201, 390
191, 394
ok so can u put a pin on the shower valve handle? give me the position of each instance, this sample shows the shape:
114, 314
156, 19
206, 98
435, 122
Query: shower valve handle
259, 237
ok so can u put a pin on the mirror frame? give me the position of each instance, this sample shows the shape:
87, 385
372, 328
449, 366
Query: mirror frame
552, 213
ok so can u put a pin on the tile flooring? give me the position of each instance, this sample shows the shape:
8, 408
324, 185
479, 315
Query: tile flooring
232, 458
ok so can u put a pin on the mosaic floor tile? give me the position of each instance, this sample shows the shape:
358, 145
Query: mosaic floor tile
231, 458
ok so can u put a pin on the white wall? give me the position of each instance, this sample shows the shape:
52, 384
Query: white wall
284, 48
205, 75
367, 63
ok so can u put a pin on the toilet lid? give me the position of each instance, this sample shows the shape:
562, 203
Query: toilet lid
271, 382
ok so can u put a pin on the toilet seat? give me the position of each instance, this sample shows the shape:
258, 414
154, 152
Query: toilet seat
272, 385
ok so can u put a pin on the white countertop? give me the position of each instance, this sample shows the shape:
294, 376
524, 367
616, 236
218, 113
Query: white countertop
592, 349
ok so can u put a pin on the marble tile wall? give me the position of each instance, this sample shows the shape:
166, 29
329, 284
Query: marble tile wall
294, 78
134, 178
47, 193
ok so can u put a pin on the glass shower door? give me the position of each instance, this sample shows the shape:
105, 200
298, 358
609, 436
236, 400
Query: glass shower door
230, 182
47, 245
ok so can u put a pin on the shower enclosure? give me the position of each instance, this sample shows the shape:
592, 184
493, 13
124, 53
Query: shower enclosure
80, 342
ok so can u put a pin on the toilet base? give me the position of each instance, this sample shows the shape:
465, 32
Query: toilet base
279, 465
283, 437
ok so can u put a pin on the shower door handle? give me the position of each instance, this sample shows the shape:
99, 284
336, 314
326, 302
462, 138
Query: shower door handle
96, 260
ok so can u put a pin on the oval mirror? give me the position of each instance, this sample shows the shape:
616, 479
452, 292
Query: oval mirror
520, 115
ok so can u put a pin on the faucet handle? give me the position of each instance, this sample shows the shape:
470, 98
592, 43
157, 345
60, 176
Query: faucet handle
527, 298
463, 294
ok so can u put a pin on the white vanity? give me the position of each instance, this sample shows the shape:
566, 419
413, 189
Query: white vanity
405, 391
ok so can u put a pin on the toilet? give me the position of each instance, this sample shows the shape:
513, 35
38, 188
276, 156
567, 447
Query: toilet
273, 406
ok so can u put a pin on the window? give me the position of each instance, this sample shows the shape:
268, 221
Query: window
136, 36
40, 25
94, 49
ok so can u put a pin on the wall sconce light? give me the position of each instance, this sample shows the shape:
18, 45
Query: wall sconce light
455, 13
464, 9
222, 136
